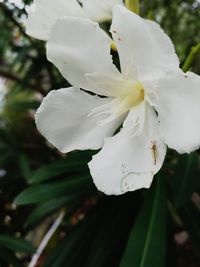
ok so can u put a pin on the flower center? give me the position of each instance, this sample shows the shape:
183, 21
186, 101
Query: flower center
131, 96
127, 96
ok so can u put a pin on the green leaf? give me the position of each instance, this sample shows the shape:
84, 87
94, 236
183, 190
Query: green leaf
99, 239
16, 244
6, 138
25, 166
43, 210
147, 241
43, 192
185, 179
191, 218
76, 243
112, 230
67, 165
8, 257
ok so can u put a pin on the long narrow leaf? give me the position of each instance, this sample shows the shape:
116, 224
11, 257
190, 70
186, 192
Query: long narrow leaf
75, 163
191, 218
146, 245
43, 210
43, 192
16, 244
57, 168
185, 179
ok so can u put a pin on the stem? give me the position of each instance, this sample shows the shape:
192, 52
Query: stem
133, 5
189, 60
46, 239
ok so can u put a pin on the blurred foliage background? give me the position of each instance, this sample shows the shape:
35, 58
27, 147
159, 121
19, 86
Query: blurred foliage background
39, 187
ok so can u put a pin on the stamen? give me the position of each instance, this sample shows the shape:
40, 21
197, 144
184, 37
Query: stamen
129, 95
109, 109
113, 46
135, 120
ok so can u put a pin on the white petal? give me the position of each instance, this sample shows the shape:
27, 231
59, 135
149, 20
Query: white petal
142, 45
178, 107
128, 163
42, 14
77, 47
63, 118
106, 85
135, 120
99, 10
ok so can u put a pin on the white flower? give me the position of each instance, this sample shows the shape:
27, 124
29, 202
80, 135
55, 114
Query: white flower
155, 101
42, 14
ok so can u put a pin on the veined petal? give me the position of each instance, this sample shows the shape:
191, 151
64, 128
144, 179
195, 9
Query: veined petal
178, 107
78, 47
63, 118
142, 45
127, 163
42, 14
106, 85
99, 10
135, 120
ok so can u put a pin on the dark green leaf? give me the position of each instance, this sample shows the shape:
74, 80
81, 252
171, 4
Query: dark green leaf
43, 192
8, 257
25, 166
5, 137
40, 212
66, 165
147, 242
16, 244
77, 242
185, 178
191, 218
99, 239
113, 229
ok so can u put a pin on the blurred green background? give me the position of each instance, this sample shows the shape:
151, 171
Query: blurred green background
147, 228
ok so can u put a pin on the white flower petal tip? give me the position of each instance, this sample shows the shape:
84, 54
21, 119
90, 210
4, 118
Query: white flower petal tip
127, 163
178, 107
100, 10
63, 120
142, 45
42, 14
126, 183
129, 183
78, 47
134, 181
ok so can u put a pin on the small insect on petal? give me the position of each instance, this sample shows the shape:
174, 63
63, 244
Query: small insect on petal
154, 151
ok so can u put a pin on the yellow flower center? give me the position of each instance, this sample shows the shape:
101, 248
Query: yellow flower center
127, 95
113, 46
131, 96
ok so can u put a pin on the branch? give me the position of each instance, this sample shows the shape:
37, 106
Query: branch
8, 13
189, 60
13, 77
